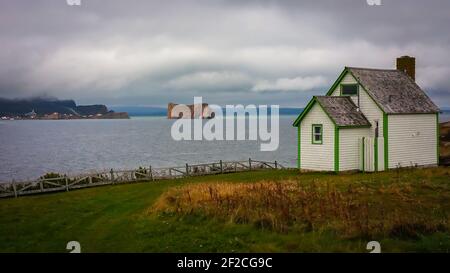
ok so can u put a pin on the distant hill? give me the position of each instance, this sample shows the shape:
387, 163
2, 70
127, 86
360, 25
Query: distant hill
290, 111
162, 112
47, 106
141, 110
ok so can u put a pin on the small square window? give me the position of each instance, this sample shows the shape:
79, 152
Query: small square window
349, 90
317, 133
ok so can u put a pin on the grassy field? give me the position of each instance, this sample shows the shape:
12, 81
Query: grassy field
265, 211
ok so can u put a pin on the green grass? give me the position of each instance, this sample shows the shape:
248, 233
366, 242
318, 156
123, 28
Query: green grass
120, 218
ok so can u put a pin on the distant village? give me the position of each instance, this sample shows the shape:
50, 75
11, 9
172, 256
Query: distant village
57, 116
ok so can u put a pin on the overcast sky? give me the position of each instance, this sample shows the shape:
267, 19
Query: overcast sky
141, 52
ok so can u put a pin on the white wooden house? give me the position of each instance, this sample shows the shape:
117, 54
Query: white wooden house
370, 120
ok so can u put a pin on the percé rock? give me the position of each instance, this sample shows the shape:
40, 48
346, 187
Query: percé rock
202, 110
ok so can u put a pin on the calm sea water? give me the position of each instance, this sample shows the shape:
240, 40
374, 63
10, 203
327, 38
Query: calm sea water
29, 149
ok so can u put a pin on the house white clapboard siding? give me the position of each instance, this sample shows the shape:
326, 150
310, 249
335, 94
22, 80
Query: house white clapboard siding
314, 153
410, 139
349, 150
370, 120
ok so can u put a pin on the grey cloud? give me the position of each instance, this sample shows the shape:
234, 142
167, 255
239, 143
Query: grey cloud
152, 52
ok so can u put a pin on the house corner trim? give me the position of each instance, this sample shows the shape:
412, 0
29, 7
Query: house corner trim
336, 148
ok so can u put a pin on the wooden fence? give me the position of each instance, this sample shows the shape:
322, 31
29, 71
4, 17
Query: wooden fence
66, 183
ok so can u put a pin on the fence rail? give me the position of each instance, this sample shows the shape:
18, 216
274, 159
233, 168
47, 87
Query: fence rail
66, 183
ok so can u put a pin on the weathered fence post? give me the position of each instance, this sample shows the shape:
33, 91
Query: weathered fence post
15, 189
174, 172
67, 182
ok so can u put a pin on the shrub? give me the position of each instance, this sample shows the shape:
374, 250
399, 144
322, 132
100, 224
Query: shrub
286, 206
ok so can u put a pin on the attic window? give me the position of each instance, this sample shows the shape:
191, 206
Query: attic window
317, 133
349, 89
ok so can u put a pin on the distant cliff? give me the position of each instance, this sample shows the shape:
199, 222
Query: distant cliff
42, 107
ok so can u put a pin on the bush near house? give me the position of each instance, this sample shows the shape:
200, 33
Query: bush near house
292, 206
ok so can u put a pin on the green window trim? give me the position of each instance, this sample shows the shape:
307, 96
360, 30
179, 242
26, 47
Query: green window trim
349, 84
313, 134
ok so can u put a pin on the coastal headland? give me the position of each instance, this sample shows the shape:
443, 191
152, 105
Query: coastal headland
54, 109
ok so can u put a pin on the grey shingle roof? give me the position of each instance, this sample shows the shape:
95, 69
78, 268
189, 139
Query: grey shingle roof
342, 110
394, 91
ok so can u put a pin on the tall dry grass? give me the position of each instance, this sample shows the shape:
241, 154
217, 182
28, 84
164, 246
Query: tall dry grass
285, 206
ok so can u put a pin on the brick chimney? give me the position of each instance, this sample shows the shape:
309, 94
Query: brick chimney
408, 65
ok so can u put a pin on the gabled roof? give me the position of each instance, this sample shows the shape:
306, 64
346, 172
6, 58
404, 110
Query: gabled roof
393, 90
341, 110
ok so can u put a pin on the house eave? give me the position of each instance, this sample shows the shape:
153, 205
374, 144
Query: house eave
413, 113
